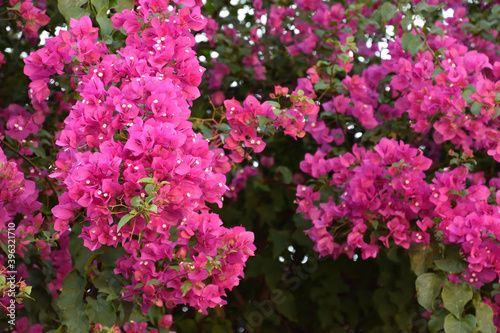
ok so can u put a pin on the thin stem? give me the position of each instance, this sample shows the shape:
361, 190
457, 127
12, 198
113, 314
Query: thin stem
343, 132
428, 47
323, 94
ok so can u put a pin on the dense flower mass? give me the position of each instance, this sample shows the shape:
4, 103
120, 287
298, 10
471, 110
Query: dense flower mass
380, 119
386, 196
129, 152
383, 188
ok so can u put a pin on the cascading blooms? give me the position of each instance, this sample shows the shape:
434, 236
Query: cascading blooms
131, 162
444, 83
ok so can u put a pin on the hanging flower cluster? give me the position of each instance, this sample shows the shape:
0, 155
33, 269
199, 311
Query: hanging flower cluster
132, 162
381, 190
436, 88
32, 18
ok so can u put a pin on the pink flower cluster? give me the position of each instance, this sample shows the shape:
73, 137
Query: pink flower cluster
17, 196
130, 154
33, 16
466, 218
245, 126
19, 123
455, 97
380, 194
18, 217
246, 121
383, 196
458, 103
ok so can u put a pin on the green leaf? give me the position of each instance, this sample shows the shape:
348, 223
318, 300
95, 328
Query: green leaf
406, 39
455, 296
465, 95
497, 109
428, 286
76, 320
415, 45
207, 132
323, 63
224, 128
321, 85
72, 9
421, 256
72, 290
424, 7
154, 282
286, 174
105, 23
100, 311
145, 180
406, 21
120, 5
149, 188
154, 209
453, 325
27, 290
495, 10
100, 4
319, 32
263, 121
289, 116
374, 223
136, 201
388, 11
484, 318
436, 31
38, 151
476, 108
437, 71
149, 198
436, 323
89, 262
273, 103
16, 7
452, 262
124, 221
485, 25
186, 286
70, 301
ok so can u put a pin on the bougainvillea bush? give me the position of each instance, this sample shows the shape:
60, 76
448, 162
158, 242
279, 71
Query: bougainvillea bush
249, 166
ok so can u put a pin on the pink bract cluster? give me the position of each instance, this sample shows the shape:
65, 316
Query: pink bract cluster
18, 197
445, 93
246, 122
382, 196
131, 162
33, 17
383, 187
